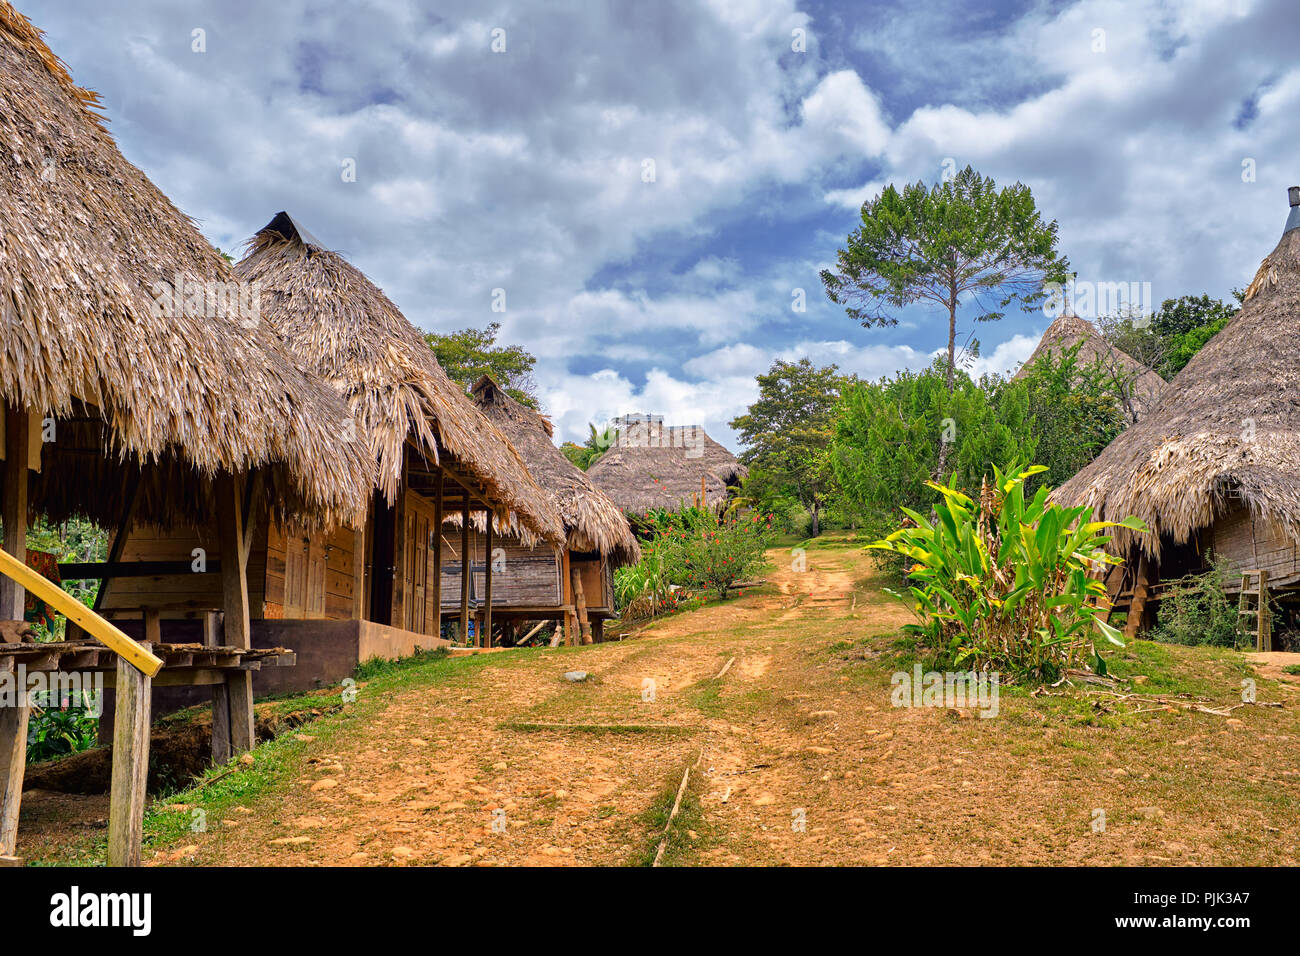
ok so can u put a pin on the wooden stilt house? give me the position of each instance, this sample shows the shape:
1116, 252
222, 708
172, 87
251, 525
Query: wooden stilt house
134, 393
436, 453
572, 583
651, 465
1215, 465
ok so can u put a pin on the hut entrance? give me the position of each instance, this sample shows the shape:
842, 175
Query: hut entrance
382, 542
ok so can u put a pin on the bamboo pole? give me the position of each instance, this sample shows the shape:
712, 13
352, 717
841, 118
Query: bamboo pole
437, 554
94, 625
466, 567
486, 639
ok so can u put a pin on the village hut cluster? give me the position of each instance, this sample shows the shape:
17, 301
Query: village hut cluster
1213, 467
291, 482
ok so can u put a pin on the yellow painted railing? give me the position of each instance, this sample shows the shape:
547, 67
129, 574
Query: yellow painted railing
108, 633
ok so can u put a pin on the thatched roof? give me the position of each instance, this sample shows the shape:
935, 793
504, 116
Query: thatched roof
591, 520
88, 247
1227, 427
651, 466
1069, 330
343, 328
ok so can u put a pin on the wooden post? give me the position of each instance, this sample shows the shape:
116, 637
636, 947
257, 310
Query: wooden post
487, 581
14, 511
13, 720
130, 764
1264, 635
220, 696
571, 635
598, 630
437, 554
466, 568
1137, 604
580, 605
236, 625
13, 763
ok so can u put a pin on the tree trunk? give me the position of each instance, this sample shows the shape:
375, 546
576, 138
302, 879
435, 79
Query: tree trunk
816, 518
952, 339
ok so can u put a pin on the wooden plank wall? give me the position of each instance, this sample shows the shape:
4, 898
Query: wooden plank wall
531, 577
1254, 544
310, 577
189, 591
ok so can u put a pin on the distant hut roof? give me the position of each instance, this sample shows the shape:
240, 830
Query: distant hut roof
1069, 330
341, 326
652, 466
592, 521
86, 240
1227, 427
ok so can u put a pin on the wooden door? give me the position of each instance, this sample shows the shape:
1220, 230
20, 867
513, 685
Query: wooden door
315, 579
416, 570
295, 576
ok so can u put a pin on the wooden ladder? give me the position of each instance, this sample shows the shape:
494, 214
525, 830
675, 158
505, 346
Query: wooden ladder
1257, 614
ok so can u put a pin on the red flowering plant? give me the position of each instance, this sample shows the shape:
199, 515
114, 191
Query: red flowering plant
690, 551
713, 553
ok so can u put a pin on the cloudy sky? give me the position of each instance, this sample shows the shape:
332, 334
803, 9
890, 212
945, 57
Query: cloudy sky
651, 183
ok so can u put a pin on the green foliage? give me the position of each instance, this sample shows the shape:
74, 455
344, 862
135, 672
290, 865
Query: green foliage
585, 455
59, 727
1072, 411
466, 355
1167, 340
1004, 583
1196, 610
887, 439
787, 434
688, 552
959, 240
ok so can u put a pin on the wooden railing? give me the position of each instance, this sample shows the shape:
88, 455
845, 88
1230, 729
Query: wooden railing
105, 631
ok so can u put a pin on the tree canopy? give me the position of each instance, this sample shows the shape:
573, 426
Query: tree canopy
468, 354
958, 240
787, 433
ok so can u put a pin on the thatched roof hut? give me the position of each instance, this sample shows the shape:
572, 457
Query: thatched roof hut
652, 466
115, 320
1223, 442
592, 521
342, 327
1140, 386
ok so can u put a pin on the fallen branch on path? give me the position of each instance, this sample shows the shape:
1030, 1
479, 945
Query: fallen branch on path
677, 805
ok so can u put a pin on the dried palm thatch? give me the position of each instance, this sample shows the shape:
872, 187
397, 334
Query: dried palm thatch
650, 466
343, 328
166, 397
591, 520
1140, 385
1226, 430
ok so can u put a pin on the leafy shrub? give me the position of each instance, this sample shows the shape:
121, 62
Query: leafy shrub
690, 551
1006, 584
1197, 610
59, 727
713, 554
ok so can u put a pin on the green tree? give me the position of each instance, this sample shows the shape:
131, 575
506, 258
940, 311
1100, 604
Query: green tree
585, 455
960, 239
889, 433
468, 354
787, 434
1167, 340
1072, 411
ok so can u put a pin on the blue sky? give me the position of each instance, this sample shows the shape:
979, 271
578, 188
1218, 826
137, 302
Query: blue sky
1161, 137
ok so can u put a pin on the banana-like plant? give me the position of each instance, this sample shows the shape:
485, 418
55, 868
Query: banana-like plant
1008, 583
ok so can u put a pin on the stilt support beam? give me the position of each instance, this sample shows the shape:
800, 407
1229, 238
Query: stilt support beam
130, 765
236, 625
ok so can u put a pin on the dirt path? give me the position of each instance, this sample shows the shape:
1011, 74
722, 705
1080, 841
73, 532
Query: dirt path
802, 760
